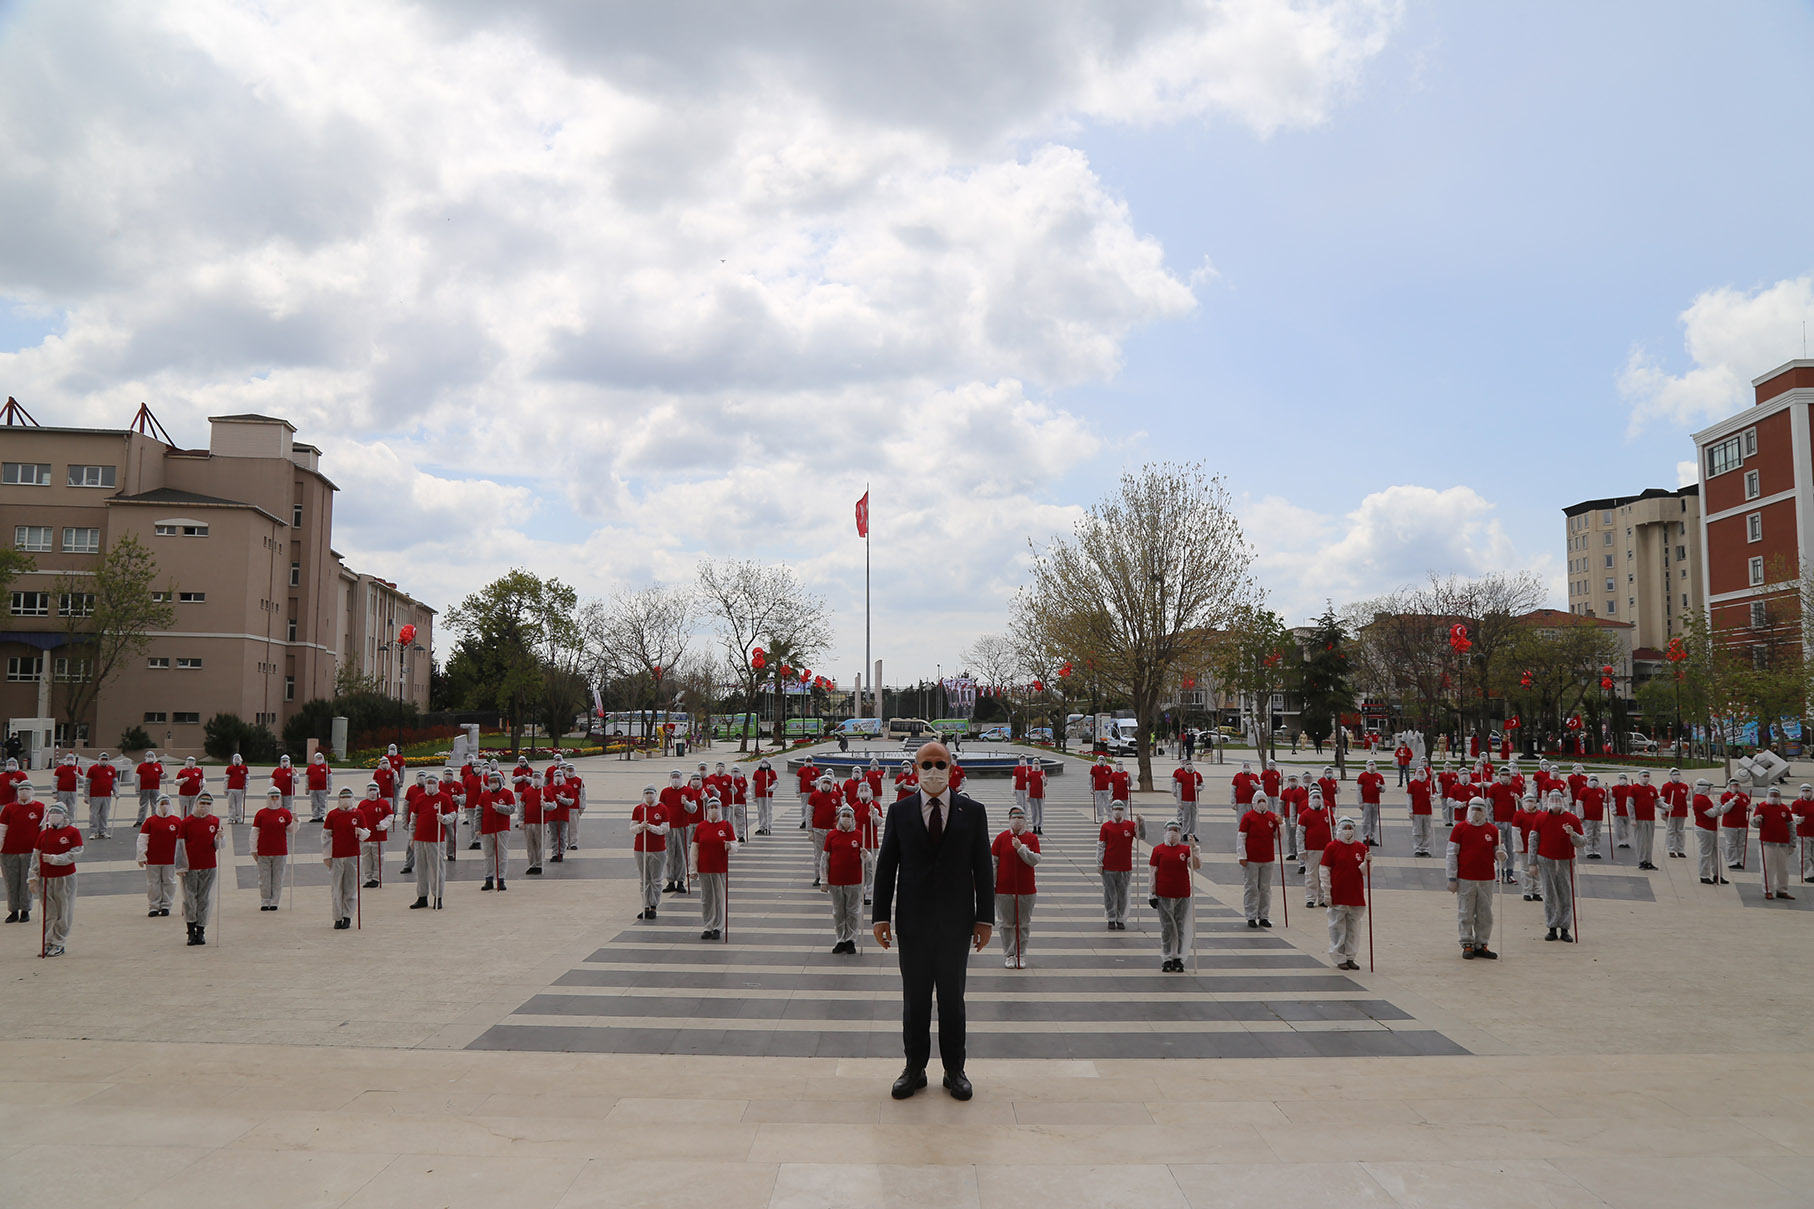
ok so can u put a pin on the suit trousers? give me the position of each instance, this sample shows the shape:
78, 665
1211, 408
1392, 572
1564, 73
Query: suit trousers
932, 968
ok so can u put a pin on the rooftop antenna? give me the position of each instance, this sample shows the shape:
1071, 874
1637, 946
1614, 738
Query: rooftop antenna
15, 415
147, 424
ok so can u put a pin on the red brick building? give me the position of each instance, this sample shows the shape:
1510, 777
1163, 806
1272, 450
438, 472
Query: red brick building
1757, 510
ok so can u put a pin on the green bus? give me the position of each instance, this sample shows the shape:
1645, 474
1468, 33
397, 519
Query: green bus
735, 726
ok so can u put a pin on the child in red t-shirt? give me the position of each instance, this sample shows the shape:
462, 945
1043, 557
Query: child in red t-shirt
1169, 893
1345, 862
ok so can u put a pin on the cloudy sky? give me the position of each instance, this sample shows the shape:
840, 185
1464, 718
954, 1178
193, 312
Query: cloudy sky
604, 289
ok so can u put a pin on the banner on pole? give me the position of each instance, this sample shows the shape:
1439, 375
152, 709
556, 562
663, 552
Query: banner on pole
863, 516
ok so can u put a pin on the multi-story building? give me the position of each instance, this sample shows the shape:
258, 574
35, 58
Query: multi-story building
241, 536
1757, 490
1637, 559
374, 611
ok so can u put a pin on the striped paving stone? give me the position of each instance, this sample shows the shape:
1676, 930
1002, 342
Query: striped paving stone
776, 989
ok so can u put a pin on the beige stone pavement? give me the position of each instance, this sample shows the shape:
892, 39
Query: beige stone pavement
1665, 1061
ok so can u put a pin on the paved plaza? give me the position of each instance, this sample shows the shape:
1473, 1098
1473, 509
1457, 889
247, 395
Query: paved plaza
544, 1048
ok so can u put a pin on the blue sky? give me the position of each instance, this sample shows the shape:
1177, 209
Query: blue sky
603, 292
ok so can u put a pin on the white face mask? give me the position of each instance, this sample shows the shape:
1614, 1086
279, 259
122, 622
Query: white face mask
164, 807
371, 794
674, 780
934, 781
1476, 816
648, 799
1173, 836
847, 822
711, 814
863, 794
1346, 835
1017, 824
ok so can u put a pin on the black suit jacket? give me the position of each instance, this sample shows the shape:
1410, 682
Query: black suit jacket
945, 891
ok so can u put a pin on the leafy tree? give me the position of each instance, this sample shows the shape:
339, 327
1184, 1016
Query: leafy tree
1325, 681
134, 738
1144, 579
223, 735
1252, 658
14, 564
510, 632
109, 618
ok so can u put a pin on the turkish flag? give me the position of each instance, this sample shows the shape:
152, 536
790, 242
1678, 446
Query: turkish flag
863, 516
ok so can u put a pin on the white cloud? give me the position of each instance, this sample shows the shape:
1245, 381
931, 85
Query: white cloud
1395, 538
1731, 336
1687, 473
667, 280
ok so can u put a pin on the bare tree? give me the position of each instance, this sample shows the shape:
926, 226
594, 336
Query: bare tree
756, 604
996, 662
642, 636
109, 618
1140, 585
1490, 606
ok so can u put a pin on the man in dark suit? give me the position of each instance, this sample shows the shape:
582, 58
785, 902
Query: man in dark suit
936, 844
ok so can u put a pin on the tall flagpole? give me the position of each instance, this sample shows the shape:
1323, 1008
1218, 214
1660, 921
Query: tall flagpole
868, 667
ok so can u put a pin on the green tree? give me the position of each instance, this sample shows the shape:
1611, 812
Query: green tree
1252, 658
108, 619
1146, 576
507, 629
1325, 680
12, 565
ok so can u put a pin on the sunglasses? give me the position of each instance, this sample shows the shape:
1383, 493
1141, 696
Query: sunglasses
929, 765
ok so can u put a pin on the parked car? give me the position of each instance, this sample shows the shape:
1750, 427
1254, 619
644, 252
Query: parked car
995, 734
1040, 734
1643, 745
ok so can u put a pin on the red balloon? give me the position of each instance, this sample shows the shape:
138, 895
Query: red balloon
758, 660
1606, 682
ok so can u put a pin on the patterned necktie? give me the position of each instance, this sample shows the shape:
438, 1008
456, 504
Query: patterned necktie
935, 826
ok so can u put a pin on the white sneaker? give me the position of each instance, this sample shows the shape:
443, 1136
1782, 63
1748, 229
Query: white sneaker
1007, 963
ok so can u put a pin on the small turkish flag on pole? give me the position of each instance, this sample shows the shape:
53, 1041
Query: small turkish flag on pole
863, 516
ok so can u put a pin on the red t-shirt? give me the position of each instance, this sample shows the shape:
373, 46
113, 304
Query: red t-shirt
162, 832
1477, 860
1188, 780
189, 782
1013, 875
843, 858
1315, 823
22, 822
317, 775
490, 821
1644, 803
1330, 787
807, 775
1020, 776
1118, 845
740, 788
1258, 827
1738, 808
874, 777
1804, 812
530, 795
825, 803
341, 827
237, 775
1171, 866
692, 807
425, 815
1553, 842
557, 802
1099, 776
199, 831
150, 776
285, 780
1293, 800
1706, 814
1621, 800
648, 841
1420, 796
765, 782
904, 784
1120, 782
272, 824
957, 776
1505, 798
1370, 785
1272, 779
383, 774
1676, 794
1244, 785
1347, 884
1403, 756
55, 841
1592, 800
374, 814
714, 840
1036, 783
1778, 823
848, 787
65, 777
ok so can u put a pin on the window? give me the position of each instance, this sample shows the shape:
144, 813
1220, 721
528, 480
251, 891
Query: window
1681, 552
1754, 527
179, 530
75, 604
1760, 615
192, 598
1631, 602
31, 604
193, 665
157, 716
157, 661
81, 735
1723, 457
160, 598
186, 718
31, 537
1684, 600
290, 630
1750, 442
25, 474
70, 671
1609, 562
1751, 488
1608, 540
1608, 588
1612, 607
24, 667
1606, 517
1684, 573
91, 476
289, 688
295, 575
1631, 579
296, 517
81, 541
1757, 571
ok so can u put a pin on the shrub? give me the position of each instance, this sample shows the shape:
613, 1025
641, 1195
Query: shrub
134, 738
226, 734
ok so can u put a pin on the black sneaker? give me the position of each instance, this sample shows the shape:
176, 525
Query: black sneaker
1551, 935
1566, 938
1487, 953
1266, 923
1467, 954
1253, 923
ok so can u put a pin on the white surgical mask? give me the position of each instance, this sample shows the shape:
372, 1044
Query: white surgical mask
934, 781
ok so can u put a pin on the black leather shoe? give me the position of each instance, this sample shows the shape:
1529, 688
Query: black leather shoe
958, 1085
910, 1081
419, 904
